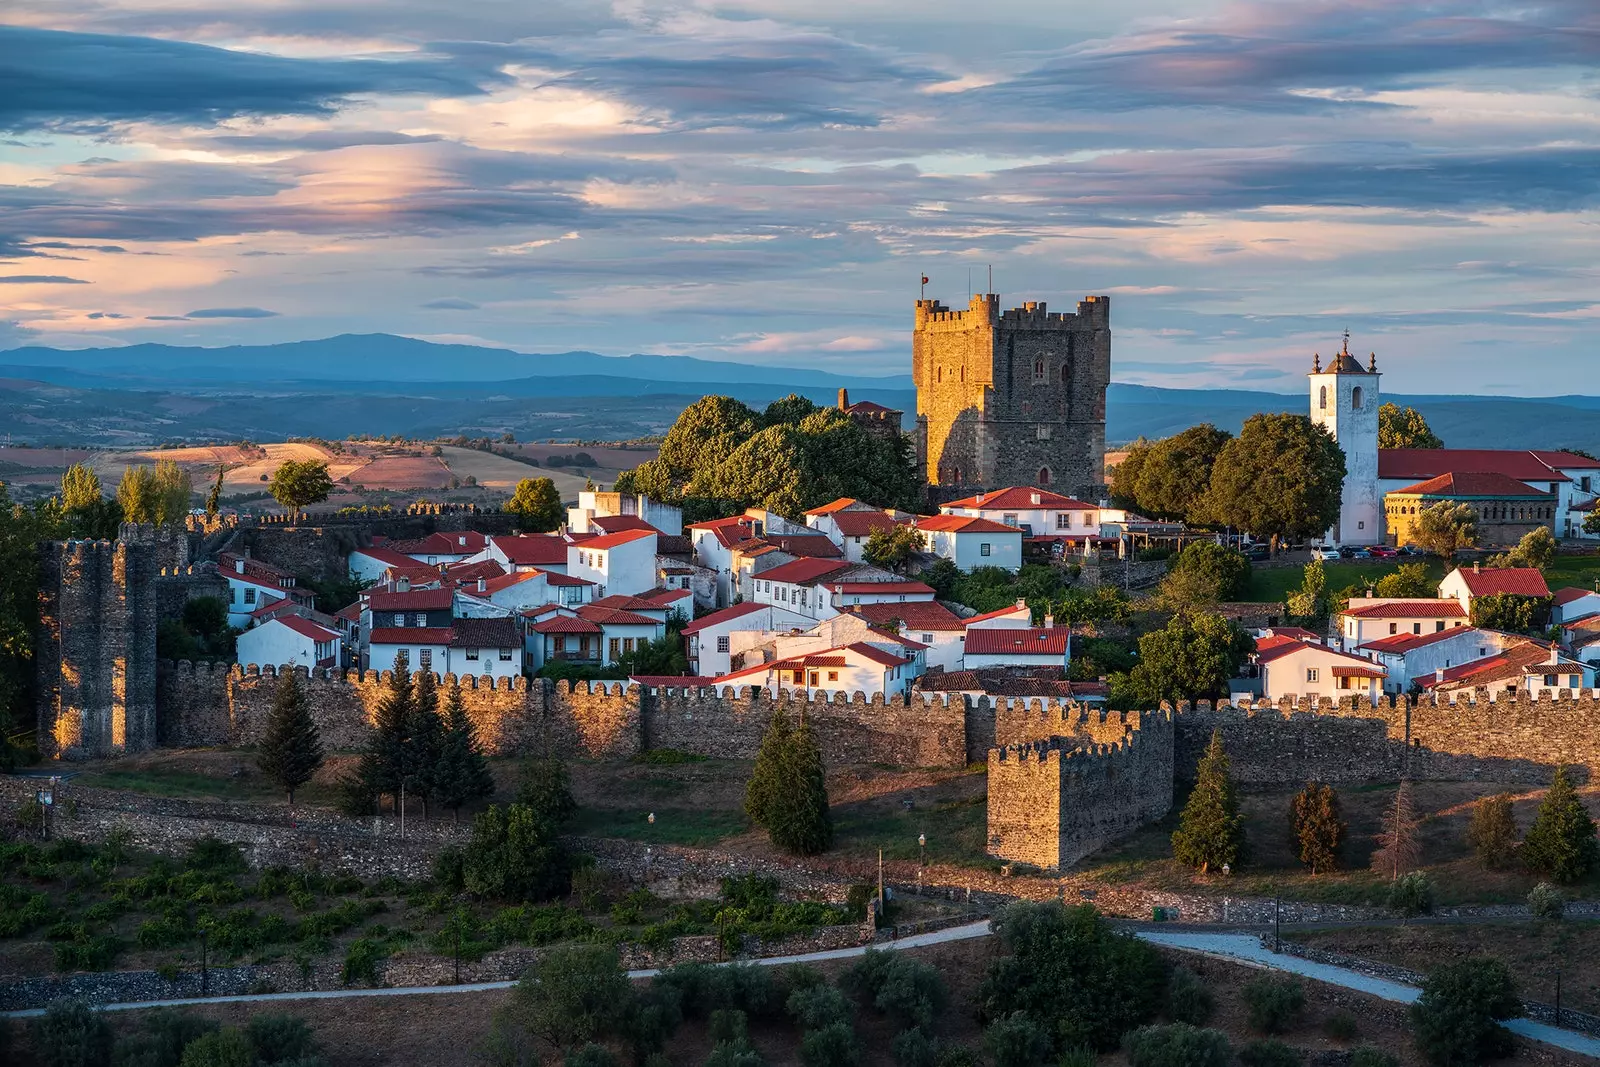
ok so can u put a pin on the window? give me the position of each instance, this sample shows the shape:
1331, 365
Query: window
1040, 374
1362, 525
1044, 475
399, 620
422, 619
1041, 433
1572, 681
813, 680
249, 596
1550, 680
472, 653
1063, 520
722, 643
505, 655
984, 549
1322, 399
1416, 627
1394, 627
424, 659
1009, 519
627, 645
616, 647
1438, 627
833, 676
1355, 399
1311, 674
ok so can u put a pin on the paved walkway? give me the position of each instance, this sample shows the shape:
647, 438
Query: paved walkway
1247, 948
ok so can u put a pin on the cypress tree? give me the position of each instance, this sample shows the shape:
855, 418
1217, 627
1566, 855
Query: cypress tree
802, 824
384, 763
1398, 847
291, 749
766, 775
1492, 833
426, 738
1561, 844
1211, 831
1319, 831
463, 772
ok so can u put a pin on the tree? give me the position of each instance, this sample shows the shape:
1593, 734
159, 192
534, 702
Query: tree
72, 1034
1310, 600
462, 773
572, 995
1560, 844
291, 748
792, 409
214, 497
1536, 549
515, 856
159, 496
537, 505
1211, 830
1176, 473
1398, 844
1410, 581
1445, 528
383, 765
1457, 1017
297, 483
84, 509
1318, 830
426, 738
892, 547
20, 531
1282, 477
663, 656
1492, 833
1404, 428
1206, 573
1511, 612
1191, 658
1591, 521
788, 793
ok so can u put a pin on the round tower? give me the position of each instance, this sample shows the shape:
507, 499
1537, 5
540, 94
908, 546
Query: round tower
1344, 401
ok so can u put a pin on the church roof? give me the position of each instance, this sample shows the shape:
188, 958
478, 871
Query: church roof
1344, 363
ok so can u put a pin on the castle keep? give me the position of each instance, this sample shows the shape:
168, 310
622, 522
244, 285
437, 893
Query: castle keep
1012, 398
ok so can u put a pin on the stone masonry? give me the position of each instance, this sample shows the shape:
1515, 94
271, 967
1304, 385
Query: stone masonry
1011, 398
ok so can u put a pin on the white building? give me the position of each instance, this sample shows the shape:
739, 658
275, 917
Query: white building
1572, 479
289, 639
490, 648
368, 565
593, 635
855, 668
529, 589
1032, 646
707, 641
439, 548
713, 542
1037, 512
970, 542
254, 586
929, 623
592, 505
1409, 656
1464, 584
1368, 619
1294, 667
1344, 401
848, 523
616, 563
1573, 603
525, 552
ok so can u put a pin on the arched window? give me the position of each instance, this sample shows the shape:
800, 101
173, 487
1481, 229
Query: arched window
1039, 372
1355, 399
1044, 476
1322, 399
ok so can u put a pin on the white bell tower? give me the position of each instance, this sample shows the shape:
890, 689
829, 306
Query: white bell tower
1344, 401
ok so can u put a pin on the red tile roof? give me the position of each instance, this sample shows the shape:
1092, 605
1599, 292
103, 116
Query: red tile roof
881, 588
963, 524
877, 655
614, 617
1019, 498
997, 614
454, 543
810, 546
1567, 594
803, 571
1472, 484
1517, 581
1028, 641
1275, 651
1409, 609
834, 505
565, 624
1422, 463
623, 602
492, 586
470, 572
387, 556
1508, 664
533, 550
675, 681
1359, 672
306, 628
626, 537
1402, 643
350, 612
862, 523
410, 635
254, 568
1295, 631
664, 598
412, 600
1566, 460
717, 618
621, 523
556, 578
916, 614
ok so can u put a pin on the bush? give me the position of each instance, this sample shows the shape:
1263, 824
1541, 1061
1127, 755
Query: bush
361, 960
1341, 1026
1411, 894
591, 1055
281, 1037
1082, 1056
831, 1046
72, 1034
1017, 1040
729, 1026
1188, 999
819, 1006
573, 995
1270, 1054
228, 1047
1456, 1020
915, 1048
1546, 902
166, 1034
1273, 1003
449, 869
657, 1013
906, 989
1367, 1056
1177, 1045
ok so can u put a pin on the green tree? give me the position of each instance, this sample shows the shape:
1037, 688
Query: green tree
664, 656
1492, 832
1410, 580
787, 794
1204, 574
1177, 1045
227, 1047
792, 409
20, 531
1311, 598
1282, 477
1191, 658
1560, 845
159, 496
214, 497
892, 547
1125, 475
1176, 474
546, 790
426, 738
291, 748
1316, 825
1536, 549
1591, 521
1511, 612
1445, 528
1399, 846
1456, 1020
463, 771
769, 470
384, 764
515, 856
1404, 428
297, 483
84, 509
574, 994
1211, 830
537, 505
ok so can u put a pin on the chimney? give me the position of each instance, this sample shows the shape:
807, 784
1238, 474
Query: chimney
1555, 656
402, 584
238, 566
462, 540
979, 498
1049, 622
483, 584
1034, 498
1438, 676
1477, 567
844, 399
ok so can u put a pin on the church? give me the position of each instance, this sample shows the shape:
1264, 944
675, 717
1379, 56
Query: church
1344, 401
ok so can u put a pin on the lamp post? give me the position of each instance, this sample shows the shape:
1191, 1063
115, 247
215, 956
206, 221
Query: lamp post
922, 850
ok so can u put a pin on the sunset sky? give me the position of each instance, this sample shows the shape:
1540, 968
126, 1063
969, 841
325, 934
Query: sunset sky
765, 181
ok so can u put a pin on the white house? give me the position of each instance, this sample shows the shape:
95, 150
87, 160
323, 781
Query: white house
713, 542
1368, 619
1409, 656
927, 622
616, 563
970, 542
1524, 665
529, 589
1466, 583
677, 602
848, 523
1037, 512
1573, 603
1032, 646
592, 505
525, 552
593, 635
439, 548
794, 587
1294, 667
855, 668
479, 647
369, 564
707, 640
289, 639
253, 585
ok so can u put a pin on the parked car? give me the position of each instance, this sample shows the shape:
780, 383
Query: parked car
1382, 552
1258, 551
1326, 552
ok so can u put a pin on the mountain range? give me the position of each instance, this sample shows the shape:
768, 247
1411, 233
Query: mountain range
382, 384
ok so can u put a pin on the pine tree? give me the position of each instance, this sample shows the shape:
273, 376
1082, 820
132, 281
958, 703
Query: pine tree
1492, 833
291, 749
463, 772
1561, 844
1319, 832
426, 739
1398, 844
383, 765
766, 776
801, 823
1211, 830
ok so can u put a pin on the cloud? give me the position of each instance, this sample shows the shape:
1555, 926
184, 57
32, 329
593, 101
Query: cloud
451, 303
232, 313
90, 82
39, 279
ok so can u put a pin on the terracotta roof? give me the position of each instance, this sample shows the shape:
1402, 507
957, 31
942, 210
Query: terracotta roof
1359, 672
881, 587
1026, 641
1409, 609
809, 546
262, 583
1402, 643
867, 407
1568, 593
350, 612
410, 635
877, 655
306, 628
418, 574
1518, 581
253, 568
674, 545
1005, 683
997, 614
717, 618
565, 624
492, 586
454, 543
916, 614
1472, 484
387, 556
626, 537
1273, 645
821, 661
1278, 651
664, 598
862, 523
685, 681
486, 633
623, 602
803, 571
412, 600
533, 550
1508, 664
557, 578
621, 523
1570, 460
963, 524
1299, 632
1019, 498
468, 572
614, 617
834, 505
1422, 463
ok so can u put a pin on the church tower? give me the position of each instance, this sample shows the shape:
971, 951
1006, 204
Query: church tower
1344, 401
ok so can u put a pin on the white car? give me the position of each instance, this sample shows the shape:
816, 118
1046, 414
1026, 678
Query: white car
1326, 553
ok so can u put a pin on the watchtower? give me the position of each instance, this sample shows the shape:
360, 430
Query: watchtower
1344, 401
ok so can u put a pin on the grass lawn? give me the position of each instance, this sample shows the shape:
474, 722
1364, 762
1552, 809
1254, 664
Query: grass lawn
697, 827
1573, 570
1274, 584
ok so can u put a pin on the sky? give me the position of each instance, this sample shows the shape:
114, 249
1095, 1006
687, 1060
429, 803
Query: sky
766, 182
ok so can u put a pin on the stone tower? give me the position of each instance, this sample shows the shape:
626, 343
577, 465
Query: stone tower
1012, 398
1344, 401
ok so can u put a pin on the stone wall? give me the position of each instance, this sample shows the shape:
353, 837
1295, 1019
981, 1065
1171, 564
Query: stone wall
318, 546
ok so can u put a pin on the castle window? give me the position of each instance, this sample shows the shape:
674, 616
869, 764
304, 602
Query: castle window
1042, 433
1044, 475
1355, 399
1040, 374
1322, 399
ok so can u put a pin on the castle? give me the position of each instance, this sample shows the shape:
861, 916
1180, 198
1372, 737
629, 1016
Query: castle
1012, 398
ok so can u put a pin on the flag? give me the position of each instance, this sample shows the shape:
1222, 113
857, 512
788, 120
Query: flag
924, 279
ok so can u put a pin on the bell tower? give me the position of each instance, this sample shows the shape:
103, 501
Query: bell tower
1344, 401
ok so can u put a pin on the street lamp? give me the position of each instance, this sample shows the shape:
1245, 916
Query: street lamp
922, 850
652, 819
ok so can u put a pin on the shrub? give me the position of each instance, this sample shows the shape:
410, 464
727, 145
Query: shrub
1188, 999
573, 995
1083, 1056
71, 1034
281, 1037
1177, 1045
834, 1045
1411, 894
655, 1017
1492, 833
729, 1026
1270, 1054
1341, 1026
516, 855
819, 1006
449, 869
361, 960
166, 1034
1017, 1040
1367, 1056
591, 1055
228, 1047
1546, 902
1560, 844
705, 989
1273, 1004
909, 991
915, 1048
1456, 1020
959, 1056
